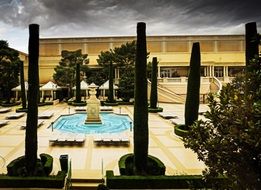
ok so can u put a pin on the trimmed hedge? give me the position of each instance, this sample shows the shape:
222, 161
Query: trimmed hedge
77, 103
180, 130
56, 181
17, 166
18, 110
47, 161
163, 182
111, 103
155, 110
155, 166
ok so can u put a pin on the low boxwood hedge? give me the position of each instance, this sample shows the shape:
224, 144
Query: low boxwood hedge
78, 103
17, 166
155, 166
110, 103
163, 182
180, 130
47, 161
155, 110
56, 181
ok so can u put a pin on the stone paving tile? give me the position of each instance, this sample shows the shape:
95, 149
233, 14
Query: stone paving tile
88, 160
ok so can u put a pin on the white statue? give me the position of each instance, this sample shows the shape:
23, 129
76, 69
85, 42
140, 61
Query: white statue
93, 106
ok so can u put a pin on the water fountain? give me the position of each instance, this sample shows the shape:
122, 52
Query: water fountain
93, 106
94, 121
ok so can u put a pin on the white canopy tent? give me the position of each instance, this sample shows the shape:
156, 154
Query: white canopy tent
50, 87
105, 86
84, 87
18, 89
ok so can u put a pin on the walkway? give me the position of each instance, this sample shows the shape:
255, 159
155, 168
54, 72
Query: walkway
90, 161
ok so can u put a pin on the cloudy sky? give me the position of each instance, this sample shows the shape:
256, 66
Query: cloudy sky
77, 18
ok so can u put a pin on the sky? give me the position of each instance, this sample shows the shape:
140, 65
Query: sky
89, 18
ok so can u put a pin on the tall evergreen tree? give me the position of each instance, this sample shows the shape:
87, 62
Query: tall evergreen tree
78, 83
33, 91
65, 72
23, 96
193, 87
252, 42
110, 97
154, 89
9, 69
141, 139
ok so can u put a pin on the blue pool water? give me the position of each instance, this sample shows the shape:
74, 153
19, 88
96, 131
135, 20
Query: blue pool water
111, 123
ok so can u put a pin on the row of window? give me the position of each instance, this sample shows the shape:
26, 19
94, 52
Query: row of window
170, 72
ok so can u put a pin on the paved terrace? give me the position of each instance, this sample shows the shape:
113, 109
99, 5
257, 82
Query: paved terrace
89, 159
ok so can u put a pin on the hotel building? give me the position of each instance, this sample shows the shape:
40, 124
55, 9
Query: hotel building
222, 58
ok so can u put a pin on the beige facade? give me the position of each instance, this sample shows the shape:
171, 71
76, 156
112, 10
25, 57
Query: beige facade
222, 57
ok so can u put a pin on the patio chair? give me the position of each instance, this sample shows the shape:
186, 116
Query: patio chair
4, 110
3, 123
40, 123
106, 108
177, 121
79, 139
15, 115
167, 115
45, 115
80, 109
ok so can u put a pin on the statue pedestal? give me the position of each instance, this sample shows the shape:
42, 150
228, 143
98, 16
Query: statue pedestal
93, 107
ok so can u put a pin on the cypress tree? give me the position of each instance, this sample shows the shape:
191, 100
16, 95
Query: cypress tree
140, 103
78, 83
193, 87
154, 89
33, 91
251, 42
23, 96
110, 97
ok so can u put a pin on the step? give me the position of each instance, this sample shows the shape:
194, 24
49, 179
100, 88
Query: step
85, 184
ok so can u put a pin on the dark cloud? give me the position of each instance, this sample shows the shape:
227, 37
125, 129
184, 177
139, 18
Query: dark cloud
119, 17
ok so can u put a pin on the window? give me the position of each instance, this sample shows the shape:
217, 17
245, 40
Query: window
218, 71
235, 71
171, 72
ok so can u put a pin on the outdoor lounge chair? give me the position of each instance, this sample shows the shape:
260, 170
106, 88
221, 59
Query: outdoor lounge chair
177, 121
3, 123
106, 108
167, 115
109, 139
40, 123
15, 115
4, 110
80, 109
46, 115
67, 139
80, 139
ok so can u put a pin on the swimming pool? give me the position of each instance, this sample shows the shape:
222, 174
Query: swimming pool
75, 123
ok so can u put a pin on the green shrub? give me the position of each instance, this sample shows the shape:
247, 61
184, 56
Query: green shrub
13, 166
17, 166
155, 166
47, 161
163, 182
181, 130
56, 181
193, 86
155, 110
